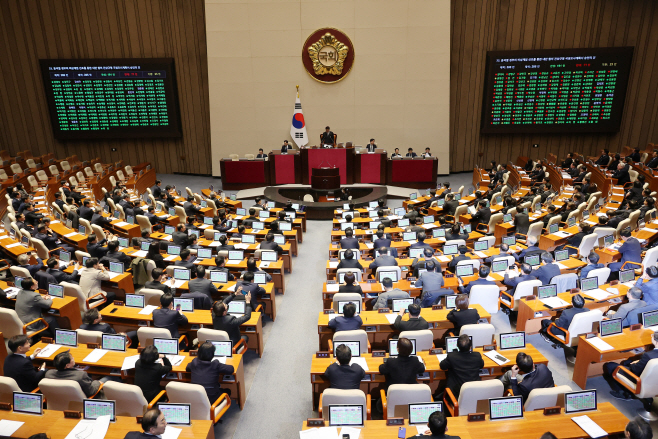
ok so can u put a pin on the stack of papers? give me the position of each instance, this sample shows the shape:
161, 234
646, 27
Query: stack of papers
70, 235
140, 253
443, 258
562, 234
590, 427
646, 229
599, 344
48, 350
13, 245
95, 355
91, 428
391, 318
554, 302
241, 246
171, 257
480, 254
148, 310
175, 360
333, 264
496, 357
441, 357
129, 362
7, 428
121, 224
112, 274
597, 294
360, 361
177, 283
12, 292
562, 266
332, 288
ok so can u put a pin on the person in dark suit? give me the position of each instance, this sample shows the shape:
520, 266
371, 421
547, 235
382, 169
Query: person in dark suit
24, 262
566, 317
59, 275
438, 425
285, 147
415, 321
482, 215
483, 272
269, 244
185, 262
531, 248
156, 190
96, 249
522, 223
573, 170
535, 376
456, 233
411, 153
154, 424
567, 162
261, 154
157, 283
98, 219
635, 366
349, 241
450, 205
551, 214
190, 208
462, 366
223, 321
513, 282
151, 216
114, 253
462, 314
396, 153
383, 260
202, 285
460, 257
635, 155
404, 368
149, 372
350, 286
21, 224
612, 164
341, 374
382, 240
371, 147
348, 321
247, 285
622, 175
207, 372
93, 321
220, 263
348, 261
328, 137
421, 241
653, 162
32, 217
631, 251
85, 211
383, 218
252, 218
167, 317
19, 367
547, 271
65, 370
604, 159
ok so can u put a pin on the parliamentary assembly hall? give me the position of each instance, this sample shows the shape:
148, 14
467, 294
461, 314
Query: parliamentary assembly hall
328, 219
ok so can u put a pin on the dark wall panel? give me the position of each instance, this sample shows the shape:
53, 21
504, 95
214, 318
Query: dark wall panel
34, 29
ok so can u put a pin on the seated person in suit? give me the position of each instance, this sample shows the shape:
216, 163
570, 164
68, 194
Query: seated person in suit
531, 248
451, 205
93, 321
167, 317
349, 241
427, 153
415, 321
404, 368
114, 253
19, 367
180, 237
438, 425
421, 241
383, 218
535, 376
635, 301
186, 262
461, 366
261, 154
635, 366
455, 233
504, 251
483, 272
631, 251
153, 424
483, 214
593, 259
396, 153
419, 262
207, 373
251, 267
383, 260
348, 321
149, 371
285, 147
269, 244
223, 321
30, 305
328, 137
389, 293
247, 285
157, 283
202, 285
411, 153
650, 288
653, 161
341, 374
431, 280
513, 282
348, 261
565, 318
371, 147
547, 271
24, 262
220, 262
350, 286
65, 370
551, 214
462, 314
460, 257
252, 218
621, 174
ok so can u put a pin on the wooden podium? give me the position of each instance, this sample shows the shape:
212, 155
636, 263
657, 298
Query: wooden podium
326, 179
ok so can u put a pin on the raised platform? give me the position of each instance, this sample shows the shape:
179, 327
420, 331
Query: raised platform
392, 191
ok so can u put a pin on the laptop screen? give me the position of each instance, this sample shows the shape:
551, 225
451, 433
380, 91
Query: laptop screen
169, 230
409, 236
608, 240
260, 278
173, 250
413, 196
374, 224
382, 274
571, 221
373, 214
113, 342
499, 265
428, 219
420, 413
65, 337
480, 245
399, 211
116, 267
415, 252
93, 408
438, 233
271, 204
450, 249
532, 260
464, 270
626, 276
506, 408
181, 274
355, 347
610, 327
204, 253
263, 214
56, 290
650, 319
346, 415
393, 347
451, 343
235, 255
223, 348
269, 256
166, 346
580, 401
176, 414
237, 307
512, 340
546, 291
248, 239
507, 217
185, 305
241, 211
345, 226
553, 228
123, 242
589, 283
402, 222
342, 303
31, 403
561, 255
219, 276
257, 225
134, 301
450, 301
145, 246
398, 304
64, 256
372, 204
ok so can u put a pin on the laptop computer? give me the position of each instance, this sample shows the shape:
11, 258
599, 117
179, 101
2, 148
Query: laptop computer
28, 403
145, 245
116, 267
419, 413
402, 222
532, 260
500, 265
450, 249
56, 290
416, 252
546, 291
248, 239
464, 270
409, 236
185, 305
346, 415
166, 346
398, 304
260, 278
355, 347
173, 250
123, 242
450, 301
235, 255
113, 342
93, 408
218, 276
382, 274
479, 246
553, 228
240, 211
237, 307
561, 255
257, 225
223, 348
342, 303
438, 233
581, 401
393, 347
134, 300
182, 274
510, 407
176, 414
512, 340
204, 253
169, 230
626, 276
610, 327
428, 219
269, 256
66, 337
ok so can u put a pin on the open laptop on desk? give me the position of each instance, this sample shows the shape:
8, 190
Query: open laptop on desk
346, 415
235, 256
93, 408
181, 275
237, 308
650, 320
185, 305
56, 290
219, 276
28, 403
116, 269
393, 347
582, 401
506, 408
203, 253
169, 348
627, 278
419, 413
176, 414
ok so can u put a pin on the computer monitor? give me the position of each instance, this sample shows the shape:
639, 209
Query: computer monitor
428, 219
589, 283
207, 220
399, 211
393, 347
510, 407
345, 226
413, 196
271, 204
512, 340
561, 255
134, 300
193, 233
342, 303
459, 197
393, 275
296, 206
608, 240
546, 291
509, 240
263, 214
169, 230
240, 211
450, 301
650, 319
248, 239
345, 415
402, 222
537, 207
130, 219
93, 408
269, 256
507, 217
440, 202
581, 401
182, 274
66, 337
237, 307
464, 270
626, 276
398, 304
116, 267
372, 214
29, 403
173, 250
532, 260
166, 346
421, 271
438, 233
372, 204
260, 278
451, 343
450, 249
571, 221
291, 215
171, 211
113, 342
416, 252
218, 276
499, 265
553, 228
176, 414
409, 236
257, 225
235, 255
123, 242
25, 241
419, 413
84, 260
223, 348
355, 347
64, 256
610, 327
186, 305
479, 246
145, 245
204, 253
56, 290
466, 228
348, 212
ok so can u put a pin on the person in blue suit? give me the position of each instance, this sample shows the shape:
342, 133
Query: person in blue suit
431, 280
421, 241
349, 241
631, 251
546, 272
593, 259
348, 321
384, 240
649, 288
512, 282
636, 367
532, 247
504, 251
483, 272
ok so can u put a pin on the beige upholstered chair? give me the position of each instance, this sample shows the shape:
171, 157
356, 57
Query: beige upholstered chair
64, 394
151, 296
205, 334
343, 396
129, 398
7, 388
469, 396
355, 335
424, 339
343, 297
542, 398
396, 401
482, 333
487, 296
195, 395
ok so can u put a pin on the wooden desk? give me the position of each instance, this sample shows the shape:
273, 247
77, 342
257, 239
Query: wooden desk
56, 426
590, 360
380, 330
68, 309
125, 316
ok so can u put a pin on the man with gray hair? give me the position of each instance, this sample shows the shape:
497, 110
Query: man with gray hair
389, 293
546, 272
532, 248
593, 259
24, 262
634, 302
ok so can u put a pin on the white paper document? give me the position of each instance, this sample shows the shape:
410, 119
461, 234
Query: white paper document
599, 344
443, 259
441, 357
13, 245
351, 432
597, 294
496, 357
113, 275
422, 428
140, 253
370, 245
90, 429
428, 226
241, 246
554, 302
481, 254
590, 427
12, 292
171, 432
95, 355
70, 235
646, 229
129, 362
48, 350
261, 264
170, 257
333, 264
391, 318
360, 361
332, 288
562, 234
562, 266
121, 224
175, 360
177, 283
148, 310
7, 428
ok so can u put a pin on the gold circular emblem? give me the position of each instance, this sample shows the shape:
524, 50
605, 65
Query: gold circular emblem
328, 55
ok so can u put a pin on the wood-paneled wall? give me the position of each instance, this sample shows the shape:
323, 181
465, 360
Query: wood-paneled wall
34, 29
482, 25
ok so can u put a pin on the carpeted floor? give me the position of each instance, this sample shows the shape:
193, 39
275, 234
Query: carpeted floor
278, 384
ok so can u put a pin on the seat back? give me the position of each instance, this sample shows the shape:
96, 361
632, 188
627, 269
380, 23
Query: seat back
20, 271
601, 273
120, 175
74, 290
79, 255
496, 218
42, 176
621, 226
491, 240
482, 333
150, 266
342, 396
342, 297
3, 175
33, 182
474, 262
356, 271
601, 232
144, 223
398, 270
193, 394
542, 398
62, 394
554, 220
582, 324
98, 167
7, 388
234, 157
424, 338
53, 170
565, 282
98, 231
633, 174
249, 156
456, 241
146, 335
205, 334
16, 168
399, 396
460, 210
535, 230
113, 181
633, 218
88, 172
474, 391
151, 296
587, 244
85, 336
524, 289
129, 398
486, 296
649, 380
355, 335
10, 323
129, 170
180, 212
65, 165
650, 258
87, 224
